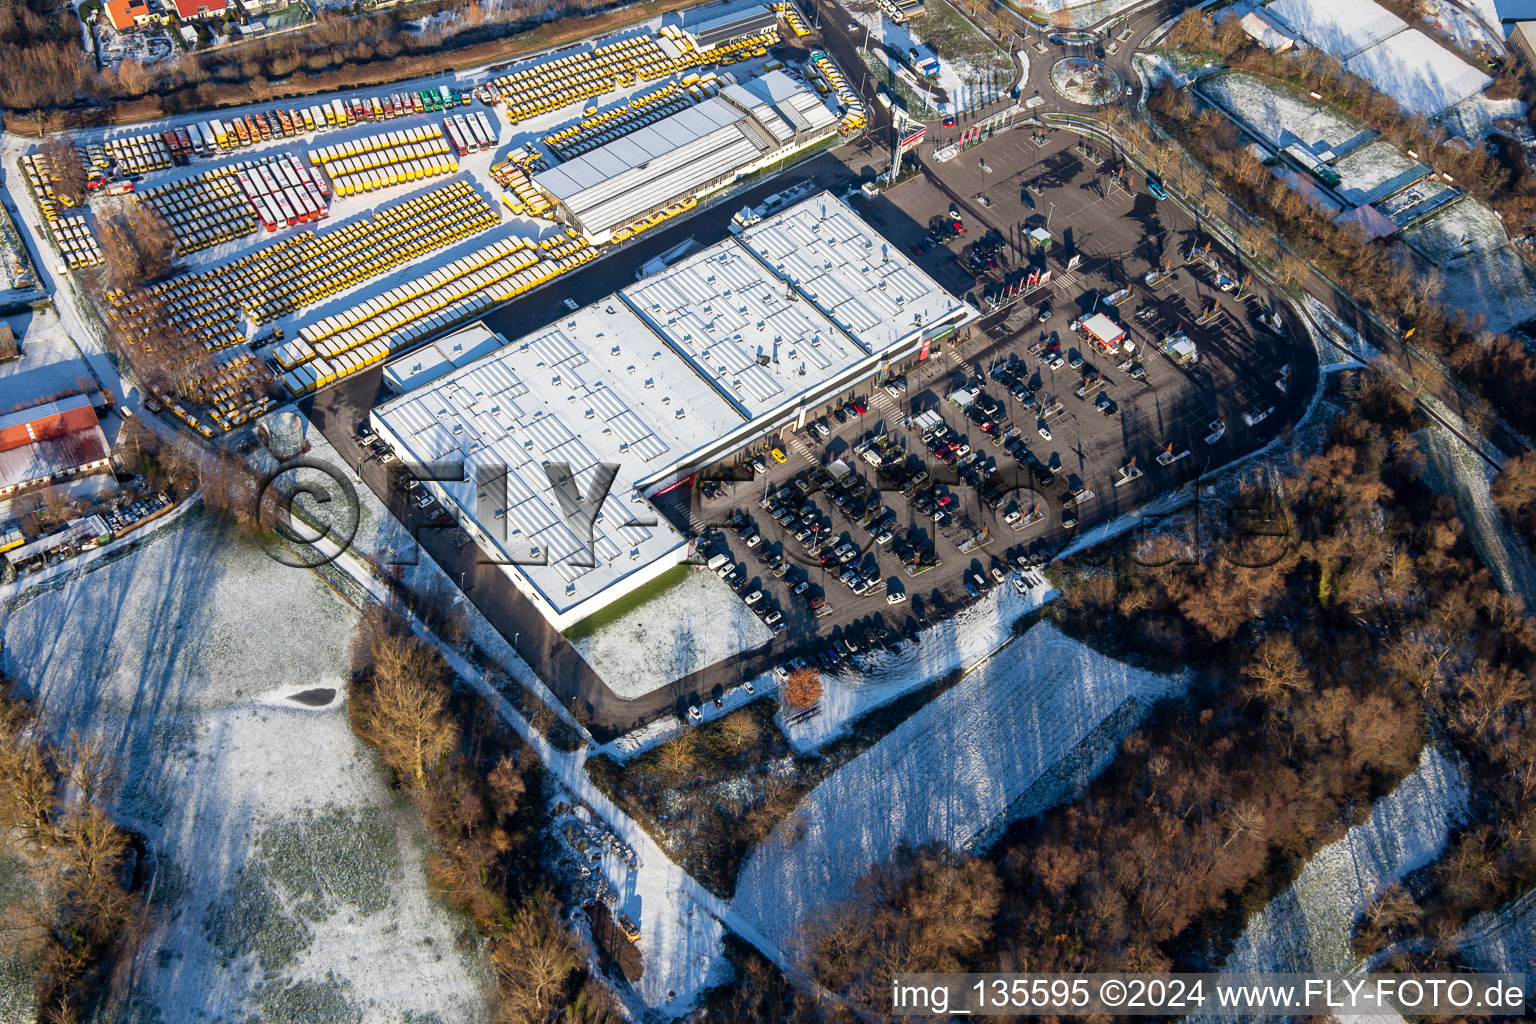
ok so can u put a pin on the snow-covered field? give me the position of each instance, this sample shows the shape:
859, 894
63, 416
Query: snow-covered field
290, 882
1282, 118
49, 364
961, 641
1457, 471
1375, 170
1482, 272
1006, 742
1341, 27
18, 278
1418, 72
1476, 116
1307, 927
685, 628
1462, 228
1503, 940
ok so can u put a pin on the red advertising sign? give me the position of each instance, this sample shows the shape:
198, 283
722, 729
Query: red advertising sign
922, 356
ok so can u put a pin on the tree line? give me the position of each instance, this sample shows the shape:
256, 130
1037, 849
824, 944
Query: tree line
340, 49
480, 792
77, 916
1335, 622
1385, 276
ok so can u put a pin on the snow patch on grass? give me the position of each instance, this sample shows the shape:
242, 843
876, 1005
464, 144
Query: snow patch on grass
683, 629
1281, 117
1503, 940
1456, 470
289, 878
962, 641
969, 759
1307, 927
1483, 275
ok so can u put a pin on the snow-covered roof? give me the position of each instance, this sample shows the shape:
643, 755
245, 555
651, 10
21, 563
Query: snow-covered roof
615, 184
722, 28
1419, 73
781, 105
743, 329
1265, 34
432, 361
595, 389
1341, 27
861, 282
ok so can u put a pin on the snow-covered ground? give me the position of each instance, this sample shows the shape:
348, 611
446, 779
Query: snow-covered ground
1462, 228
1456, 470
1039, 718
1081, 13
1482, 272
1307, 927
1476, 116
1281, 117
686, 627
289, 875
18, 278
961, 641
961, 84
1340, 27
1503, 940
50, 364
1467, 30
1375, 170
1417, 72
1484, 12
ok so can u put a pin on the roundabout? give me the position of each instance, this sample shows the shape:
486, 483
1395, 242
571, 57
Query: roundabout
1085, 80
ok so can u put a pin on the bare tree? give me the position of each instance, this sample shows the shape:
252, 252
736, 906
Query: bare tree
535, 958
67, 168
403, 706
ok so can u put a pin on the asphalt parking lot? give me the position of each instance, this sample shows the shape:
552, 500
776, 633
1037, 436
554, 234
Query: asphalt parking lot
1052, 483
1120, 235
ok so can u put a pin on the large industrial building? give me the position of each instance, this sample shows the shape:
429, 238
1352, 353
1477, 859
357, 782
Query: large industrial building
689, 154
690, 368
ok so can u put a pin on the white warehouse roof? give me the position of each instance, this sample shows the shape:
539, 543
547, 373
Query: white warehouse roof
1341, 27
861, 282
742, 328
617, 183
596, 388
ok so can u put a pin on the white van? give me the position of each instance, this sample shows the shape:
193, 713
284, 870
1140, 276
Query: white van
717, 561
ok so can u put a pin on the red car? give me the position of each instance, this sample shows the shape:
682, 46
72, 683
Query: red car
860, 408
